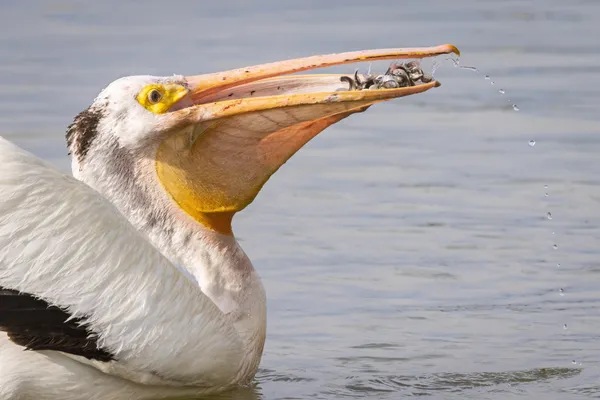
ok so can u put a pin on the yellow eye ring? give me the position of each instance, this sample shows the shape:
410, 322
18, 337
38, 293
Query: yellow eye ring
159, 98
154, 96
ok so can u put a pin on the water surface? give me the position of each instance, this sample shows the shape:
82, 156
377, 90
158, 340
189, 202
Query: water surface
405, 251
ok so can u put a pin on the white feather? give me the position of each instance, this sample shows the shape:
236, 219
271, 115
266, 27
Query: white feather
60, 240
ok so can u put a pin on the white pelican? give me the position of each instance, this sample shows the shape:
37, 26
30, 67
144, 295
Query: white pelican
127, 282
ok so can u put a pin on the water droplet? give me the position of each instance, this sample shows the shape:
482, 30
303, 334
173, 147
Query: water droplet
470, 69
558, 265
515, 107
487, 78
501, 91
492, 83
532, 142
553, 233
573, 362
545, 186
546, 194
561, 292
565, 327
554, 246
549, 215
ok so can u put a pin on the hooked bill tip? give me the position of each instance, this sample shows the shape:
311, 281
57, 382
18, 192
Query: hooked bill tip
450, 48
454, 49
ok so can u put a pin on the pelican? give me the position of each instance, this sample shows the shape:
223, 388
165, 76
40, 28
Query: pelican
125, 281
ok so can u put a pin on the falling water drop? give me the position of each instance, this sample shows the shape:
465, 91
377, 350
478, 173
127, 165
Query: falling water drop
456, 63
434, 67
554, 246
549, 215
532, 142
558, 265
565, 327
574, 362
545, 186
546, 194
561, 292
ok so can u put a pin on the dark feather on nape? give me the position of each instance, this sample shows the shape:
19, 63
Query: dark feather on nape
82, 132
36, 325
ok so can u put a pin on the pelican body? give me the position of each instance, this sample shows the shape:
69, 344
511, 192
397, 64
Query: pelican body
125, 281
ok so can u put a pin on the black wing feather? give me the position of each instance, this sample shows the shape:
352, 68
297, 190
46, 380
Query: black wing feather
36, 325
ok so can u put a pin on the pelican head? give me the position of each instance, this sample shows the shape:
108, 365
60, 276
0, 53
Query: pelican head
208, 143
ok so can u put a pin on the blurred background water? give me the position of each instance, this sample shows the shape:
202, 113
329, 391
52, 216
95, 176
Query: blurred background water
405, 251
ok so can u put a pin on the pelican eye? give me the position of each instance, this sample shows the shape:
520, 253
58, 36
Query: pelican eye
159, 98
154, 96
